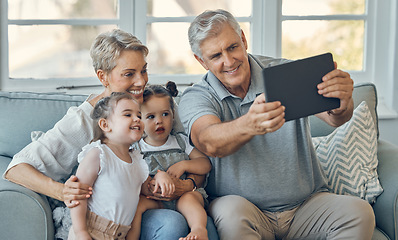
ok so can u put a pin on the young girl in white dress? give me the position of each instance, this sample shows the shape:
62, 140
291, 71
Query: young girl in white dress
168, 155
115, 172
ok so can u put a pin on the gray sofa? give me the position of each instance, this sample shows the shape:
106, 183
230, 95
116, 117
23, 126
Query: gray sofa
27, 215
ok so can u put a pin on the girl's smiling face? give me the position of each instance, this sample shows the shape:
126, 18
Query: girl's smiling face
124, 123
158, 118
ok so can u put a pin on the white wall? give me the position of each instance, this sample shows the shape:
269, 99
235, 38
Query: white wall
389, 127
389, 130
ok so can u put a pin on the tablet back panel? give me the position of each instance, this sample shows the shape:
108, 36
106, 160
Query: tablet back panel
295, 85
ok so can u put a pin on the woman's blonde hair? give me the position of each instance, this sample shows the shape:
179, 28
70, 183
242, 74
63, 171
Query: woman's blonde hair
108, 46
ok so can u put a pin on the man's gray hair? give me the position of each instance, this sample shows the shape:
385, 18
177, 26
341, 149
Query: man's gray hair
108, 46
209, 24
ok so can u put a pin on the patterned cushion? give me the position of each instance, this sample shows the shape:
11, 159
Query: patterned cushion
349, 156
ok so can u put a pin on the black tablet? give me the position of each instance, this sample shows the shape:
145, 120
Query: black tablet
294, 84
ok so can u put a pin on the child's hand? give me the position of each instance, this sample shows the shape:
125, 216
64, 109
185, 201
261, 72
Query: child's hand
177, 169
164, 183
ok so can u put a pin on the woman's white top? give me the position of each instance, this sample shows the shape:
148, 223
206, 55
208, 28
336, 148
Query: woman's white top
118, 185
55, 152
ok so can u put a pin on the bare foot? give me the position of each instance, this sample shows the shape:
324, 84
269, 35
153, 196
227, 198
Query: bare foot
196, 234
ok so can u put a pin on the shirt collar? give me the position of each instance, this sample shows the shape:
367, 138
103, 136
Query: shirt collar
256, 79
256, 84
218, 87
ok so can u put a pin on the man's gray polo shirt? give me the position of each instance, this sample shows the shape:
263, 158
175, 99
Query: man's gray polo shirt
275, 171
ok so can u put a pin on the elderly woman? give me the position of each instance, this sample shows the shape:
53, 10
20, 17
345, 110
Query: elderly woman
119, 60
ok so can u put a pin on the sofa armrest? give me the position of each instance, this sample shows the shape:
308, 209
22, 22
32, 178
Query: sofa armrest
386, 206
24, 213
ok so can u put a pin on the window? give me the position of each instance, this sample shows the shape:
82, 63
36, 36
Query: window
361, 34
314, 27
49, 41
48, 47
167, 36
45, 43
310, 27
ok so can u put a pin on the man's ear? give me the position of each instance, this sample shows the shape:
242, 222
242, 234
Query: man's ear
201, 62
102, 76
103, 124
244, 39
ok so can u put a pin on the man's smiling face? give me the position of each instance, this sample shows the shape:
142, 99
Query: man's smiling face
226, 57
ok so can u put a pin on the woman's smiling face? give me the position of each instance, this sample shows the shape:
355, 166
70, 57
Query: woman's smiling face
130, 74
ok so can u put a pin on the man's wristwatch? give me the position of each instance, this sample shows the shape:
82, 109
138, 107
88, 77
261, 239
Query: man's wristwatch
193, 181
332, 112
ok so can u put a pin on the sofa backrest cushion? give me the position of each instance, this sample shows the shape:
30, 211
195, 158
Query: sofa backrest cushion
362, 92
24, 112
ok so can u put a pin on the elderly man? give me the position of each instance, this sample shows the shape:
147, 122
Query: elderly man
266, 182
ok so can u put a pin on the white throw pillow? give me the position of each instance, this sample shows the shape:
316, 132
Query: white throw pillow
349, 156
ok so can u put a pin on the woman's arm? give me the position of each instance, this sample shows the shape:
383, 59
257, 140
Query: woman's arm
29, 177
42, 163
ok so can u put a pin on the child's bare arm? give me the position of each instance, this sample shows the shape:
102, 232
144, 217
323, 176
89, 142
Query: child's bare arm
199, 164
87, 173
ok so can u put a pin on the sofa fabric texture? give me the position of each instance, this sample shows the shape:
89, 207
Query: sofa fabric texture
24, 112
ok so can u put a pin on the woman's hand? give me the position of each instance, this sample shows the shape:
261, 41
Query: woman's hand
74, 190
